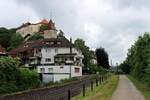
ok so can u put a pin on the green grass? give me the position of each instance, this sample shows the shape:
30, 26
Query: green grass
142, 87
103, 92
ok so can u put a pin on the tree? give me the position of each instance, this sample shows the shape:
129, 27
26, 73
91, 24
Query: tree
80, 44
28, 79
138, 59
125, 67
5, 36
8, 74
44, 27
14, 78
15, 40
36, 36
102, 58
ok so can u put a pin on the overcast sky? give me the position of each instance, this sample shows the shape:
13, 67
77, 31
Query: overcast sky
112, 24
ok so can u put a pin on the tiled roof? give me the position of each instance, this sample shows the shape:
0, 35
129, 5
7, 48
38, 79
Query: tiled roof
53, 42
44, 21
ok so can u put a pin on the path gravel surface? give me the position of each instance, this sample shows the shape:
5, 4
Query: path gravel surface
126, 90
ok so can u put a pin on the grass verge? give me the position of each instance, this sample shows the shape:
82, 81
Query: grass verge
142, 87
102, 92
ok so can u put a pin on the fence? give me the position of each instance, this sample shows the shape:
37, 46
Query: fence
64, 92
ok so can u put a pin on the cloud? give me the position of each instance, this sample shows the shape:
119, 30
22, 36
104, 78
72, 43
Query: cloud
112, 24
12, 14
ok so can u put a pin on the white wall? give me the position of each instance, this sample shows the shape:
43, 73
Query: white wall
47, 78
58, 77
73, 74
60, 70
56, 69
30, 29
51, 53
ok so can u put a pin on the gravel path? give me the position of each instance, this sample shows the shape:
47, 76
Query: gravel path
126, 90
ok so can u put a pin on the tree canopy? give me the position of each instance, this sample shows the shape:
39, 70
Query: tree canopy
137, 62
5, 36
36, 36
102, 58
80, 44
14, 78
16, 39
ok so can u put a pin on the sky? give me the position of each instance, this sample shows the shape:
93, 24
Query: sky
111, 24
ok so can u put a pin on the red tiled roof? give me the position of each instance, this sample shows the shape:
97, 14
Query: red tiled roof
44, 21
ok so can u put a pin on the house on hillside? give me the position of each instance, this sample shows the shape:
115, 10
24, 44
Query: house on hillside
54, 58
28, 29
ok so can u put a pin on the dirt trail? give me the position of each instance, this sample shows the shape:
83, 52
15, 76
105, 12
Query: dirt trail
126, 90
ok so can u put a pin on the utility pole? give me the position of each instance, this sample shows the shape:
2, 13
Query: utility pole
70, 55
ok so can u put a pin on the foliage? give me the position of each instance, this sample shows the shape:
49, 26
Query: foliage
102, 58
8, 74
5, 36
138, 59
9, 39
140, 86
80, 44
13, 78
125, 68
8, 69
15, 40
44, 27
28, 79
36, 36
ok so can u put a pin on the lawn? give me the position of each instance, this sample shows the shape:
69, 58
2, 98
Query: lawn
142, 87
102, 92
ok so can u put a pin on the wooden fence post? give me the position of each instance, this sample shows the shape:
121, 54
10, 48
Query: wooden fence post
91, 85
83, 89
69, 94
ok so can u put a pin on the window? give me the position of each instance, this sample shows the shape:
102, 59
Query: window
47, 50
58, 42
61, 67
56, 50
42, 70
50, 70
77, 70
51, 42
48, 60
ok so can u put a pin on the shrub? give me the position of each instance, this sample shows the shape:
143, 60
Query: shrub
28, 79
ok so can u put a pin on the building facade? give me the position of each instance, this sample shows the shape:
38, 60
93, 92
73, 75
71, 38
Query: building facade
54, 58
28, 29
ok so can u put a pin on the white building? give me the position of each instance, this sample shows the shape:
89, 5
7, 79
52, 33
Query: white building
54, 58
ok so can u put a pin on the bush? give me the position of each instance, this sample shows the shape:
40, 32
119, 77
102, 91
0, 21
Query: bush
13, 78
28, 79
6, 87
